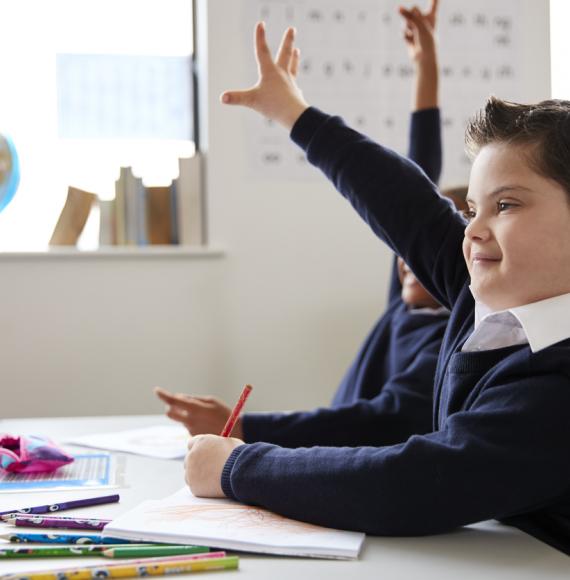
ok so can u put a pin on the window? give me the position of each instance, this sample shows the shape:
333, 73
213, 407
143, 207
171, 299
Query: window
559, 48
88, 87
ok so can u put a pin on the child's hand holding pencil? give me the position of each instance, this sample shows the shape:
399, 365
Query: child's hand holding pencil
207, 455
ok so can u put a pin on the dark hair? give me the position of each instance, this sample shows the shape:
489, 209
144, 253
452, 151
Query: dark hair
544, 128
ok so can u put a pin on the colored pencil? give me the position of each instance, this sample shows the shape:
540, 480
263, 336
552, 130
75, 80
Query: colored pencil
58, 522
192, 564
82, 539
231, 422
51, 551
205, 555
59, 507
146, 551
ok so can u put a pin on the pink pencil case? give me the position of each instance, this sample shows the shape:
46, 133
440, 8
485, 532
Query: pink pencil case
30, 454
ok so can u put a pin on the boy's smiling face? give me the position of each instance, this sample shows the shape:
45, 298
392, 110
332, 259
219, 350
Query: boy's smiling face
517, 243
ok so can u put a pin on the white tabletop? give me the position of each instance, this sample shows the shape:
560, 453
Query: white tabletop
487, 550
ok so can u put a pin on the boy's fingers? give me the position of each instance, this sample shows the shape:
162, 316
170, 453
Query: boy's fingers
177, 414
160, 392
432, 12
410, 22
285, 52
418, 23
243, 98
410, 26
171, 398
165, 395
407, 14
294, 67
262, 52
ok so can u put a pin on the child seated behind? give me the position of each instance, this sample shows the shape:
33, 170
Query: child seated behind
501, 444
386, 394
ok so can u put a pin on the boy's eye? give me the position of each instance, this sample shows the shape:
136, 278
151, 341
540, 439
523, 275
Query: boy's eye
504, 205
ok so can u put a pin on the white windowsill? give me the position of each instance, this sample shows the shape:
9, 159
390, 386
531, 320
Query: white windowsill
118, 252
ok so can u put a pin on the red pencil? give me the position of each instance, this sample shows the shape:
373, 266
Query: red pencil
231, 422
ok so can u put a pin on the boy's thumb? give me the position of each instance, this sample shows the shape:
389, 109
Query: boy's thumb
236, 98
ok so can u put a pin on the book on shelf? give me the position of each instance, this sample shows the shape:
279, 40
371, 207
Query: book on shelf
190, 207
174, 235
107, 226
159, 216
120, 206
163, 215
135, 209
73, 217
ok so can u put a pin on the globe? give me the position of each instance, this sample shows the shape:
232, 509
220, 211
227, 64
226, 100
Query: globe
9, 171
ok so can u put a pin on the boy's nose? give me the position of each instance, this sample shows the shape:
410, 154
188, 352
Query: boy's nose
477, 229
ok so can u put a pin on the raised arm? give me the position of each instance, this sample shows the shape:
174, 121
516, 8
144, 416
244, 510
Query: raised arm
425, 128
419, 35
424, 141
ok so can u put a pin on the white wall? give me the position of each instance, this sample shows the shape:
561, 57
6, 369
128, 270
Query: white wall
285, 308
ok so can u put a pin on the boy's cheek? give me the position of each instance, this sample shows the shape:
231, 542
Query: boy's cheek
466, 252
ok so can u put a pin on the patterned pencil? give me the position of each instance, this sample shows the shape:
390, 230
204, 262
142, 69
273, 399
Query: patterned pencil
59, 507
83, 539
192, 564
51, 551
158, 560
58, 522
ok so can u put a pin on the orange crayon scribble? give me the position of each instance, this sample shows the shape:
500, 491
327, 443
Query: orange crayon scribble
241, 516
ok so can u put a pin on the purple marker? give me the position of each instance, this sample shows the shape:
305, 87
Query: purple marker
59, 507
32, 521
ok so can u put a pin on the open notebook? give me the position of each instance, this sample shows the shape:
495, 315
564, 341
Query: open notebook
223, 523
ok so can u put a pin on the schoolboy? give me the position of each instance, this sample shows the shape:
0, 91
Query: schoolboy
501, 443
386, 394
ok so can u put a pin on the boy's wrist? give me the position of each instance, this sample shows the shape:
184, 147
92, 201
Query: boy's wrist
292, 114
226, 476
427, 88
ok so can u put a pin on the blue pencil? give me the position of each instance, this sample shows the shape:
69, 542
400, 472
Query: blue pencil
64, 539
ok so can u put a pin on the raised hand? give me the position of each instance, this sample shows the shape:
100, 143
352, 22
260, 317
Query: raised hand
199, 414
419, 32
420, 38
276, 94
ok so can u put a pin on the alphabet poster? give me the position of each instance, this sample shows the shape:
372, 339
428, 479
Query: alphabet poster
355, 63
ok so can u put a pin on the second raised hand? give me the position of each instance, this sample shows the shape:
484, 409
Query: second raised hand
276, 94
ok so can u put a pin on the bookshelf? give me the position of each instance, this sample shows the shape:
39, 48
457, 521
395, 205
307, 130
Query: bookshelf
119, 253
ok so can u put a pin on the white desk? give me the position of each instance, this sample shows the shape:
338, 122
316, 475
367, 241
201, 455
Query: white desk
485, 551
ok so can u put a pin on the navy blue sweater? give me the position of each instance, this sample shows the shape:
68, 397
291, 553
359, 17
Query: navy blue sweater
387, 393
501, 445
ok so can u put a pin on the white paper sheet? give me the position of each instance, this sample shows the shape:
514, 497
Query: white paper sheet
226, 524
160, 441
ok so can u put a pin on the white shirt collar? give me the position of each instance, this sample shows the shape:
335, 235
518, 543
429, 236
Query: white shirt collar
544, 323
